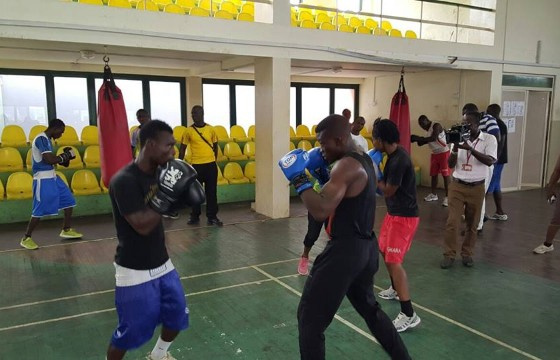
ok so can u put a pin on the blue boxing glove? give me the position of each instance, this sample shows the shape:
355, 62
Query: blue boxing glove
293, 166
318, 166
377, 157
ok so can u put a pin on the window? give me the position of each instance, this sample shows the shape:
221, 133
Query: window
132, 94
314, 105
23, 101
216, 104
344, 99
245, 105
165, 102
71, 99
293, 121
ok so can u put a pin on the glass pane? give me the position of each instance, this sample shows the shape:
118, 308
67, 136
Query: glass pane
245, 105
402, 8
71, 100
293, 107
314, 105
439, 32
349, 5
489, 4
165, 102
23, 101
132, 94
439, 12
216, 104
344, 99
477, 18
472, 36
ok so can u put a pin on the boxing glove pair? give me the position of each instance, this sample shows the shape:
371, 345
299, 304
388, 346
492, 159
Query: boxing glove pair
177, 188
65, 156
294, 164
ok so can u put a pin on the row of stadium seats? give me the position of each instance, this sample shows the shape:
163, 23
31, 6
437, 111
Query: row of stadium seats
229, 10
10, 158
14, 136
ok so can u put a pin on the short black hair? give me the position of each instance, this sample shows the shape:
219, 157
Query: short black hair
56, 124
423, 117
474, 115
333, 125
386, 130
142, 112
152, 129
493, 109
469, 107
198, 108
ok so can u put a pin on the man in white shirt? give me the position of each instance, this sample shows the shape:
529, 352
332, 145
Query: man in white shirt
470, 159
358, 139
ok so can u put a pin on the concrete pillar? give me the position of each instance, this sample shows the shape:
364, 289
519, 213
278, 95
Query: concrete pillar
281, 13
272, 121
194, 95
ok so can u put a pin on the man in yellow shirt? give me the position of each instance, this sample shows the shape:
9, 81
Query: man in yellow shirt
203, 142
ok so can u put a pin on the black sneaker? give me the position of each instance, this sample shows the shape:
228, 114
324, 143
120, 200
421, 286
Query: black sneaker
215, 221
193, 221
446, 263
171, 215
468, 261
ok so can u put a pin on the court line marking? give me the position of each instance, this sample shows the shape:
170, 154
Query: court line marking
256, 282
336, 316
112, 290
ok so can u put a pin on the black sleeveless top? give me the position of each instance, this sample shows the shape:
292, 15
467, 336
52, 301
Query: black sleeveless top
354, 217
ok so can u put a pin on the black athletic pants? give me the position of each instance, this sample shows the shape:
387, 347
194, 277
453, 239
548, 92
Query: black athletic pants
345, 268
207, 176
313, 231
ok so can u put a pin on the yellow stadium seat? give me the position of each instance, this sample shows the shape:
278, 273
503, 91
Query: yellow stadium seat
222, 14
410, 34
91, 156
249, 150
386, 25
103, 187
62, 177
370, 24
327, 26
248, 8
28, 162
69, 137
305, 15
245, 17
2, 192
10, 159
162, 3
174, 9
322, 17
369, 144
91, 2
74, 163
234, 174
19, 186
178, 132
233, 152
292, 146
149, 5
379, 31
395, 33
294, 23
197, 11
293, 135
13, 136
313, 128
363, 30
36, 130
237, 3
251, 132
341, 20
308, 24
120, 3
250, 171
90, 135
186, 4
205, 4
317, 144
222, 133
84, 182
302, 131
221, 179
237, 133
229, 7
221, 156
304, 145
355, 22
345, 28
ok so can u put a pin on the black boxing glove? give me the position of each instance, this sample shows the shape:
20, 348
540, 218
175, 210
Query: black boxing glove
70, 152
174, 180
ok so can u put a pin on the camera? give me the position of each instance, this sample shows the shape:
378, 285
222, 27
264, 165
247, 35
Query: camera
457, 134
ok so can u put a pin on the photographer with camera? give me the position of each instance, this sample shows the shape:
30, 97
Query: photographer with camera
437, 142
551, 195
470, 158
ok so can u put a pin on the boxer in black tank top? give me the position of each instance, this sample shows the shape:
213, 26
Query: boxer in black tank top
350, 260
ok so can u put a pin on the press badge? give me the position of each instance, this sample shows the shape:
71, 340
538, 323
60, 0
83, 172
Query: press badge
466, 167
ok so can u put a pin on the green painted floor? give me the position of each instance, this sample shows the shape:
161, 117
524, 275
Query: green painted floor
57, 303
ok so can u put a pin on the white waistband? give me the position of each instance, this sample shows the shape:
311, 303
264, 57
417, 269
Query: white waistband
44, 174
130, 277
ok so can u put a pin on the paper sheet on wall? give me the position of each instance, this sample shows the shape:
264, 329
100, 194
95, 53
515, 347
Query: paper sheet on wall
506, 108
510, 123
518, 108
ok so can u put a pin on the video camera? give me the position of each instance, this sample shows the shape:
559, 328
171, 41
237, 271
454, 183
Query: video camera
457, 134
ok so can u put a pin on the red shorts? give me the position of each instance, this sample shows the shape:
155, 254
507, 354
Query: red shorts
438, 164
396, 236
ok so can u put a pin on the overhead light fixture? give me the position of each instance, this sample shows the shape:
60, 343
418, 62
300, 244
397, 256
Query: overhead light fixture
87, 54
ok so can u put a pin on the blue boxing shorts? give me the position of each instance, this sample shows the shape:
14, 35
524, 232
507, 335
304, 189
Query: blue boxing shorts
496, 179
50, 195
144, 299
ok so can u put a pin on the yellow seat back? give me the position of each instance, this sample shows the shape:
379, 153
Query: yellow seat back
28, 162
221, 133
292, 146
251, 132
174, 9
386, 25
292, 132
341, 20
197, 11
305, 145
245, 17
104, 188
19, 186
313, 130
62, 177
370, 24
345, 28
36, 130
91, 2
229, 7
13, 136
2, 192
84, 182
74, 163
221, 179
233, 151
410, 34
205, 4
150, 5
249, 149
327, 26
308, 24
178, 132
120, 3
162, 3
234, 174
250, 171
222, 14
69, 137
302, 130
237, 133
379, 31
90, 135
395, 33
91, 156
317, 144
10, 160
363, 30
248, 8
322, 17
186, 4
305, 15
221, 156
355, 22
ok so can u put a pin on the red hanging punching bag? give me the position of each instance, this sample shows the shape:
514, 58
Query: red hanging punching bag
400, 114
114, 139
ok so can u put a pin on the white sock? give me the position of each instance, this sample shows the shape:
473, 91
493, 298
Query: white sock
160, 350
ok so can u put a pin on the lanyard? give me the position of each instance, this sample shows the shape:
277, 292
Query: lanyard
469, 153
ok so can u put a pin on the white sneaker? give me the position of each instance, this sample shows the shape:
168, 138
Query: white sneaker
503, 217
445, 202
403, 322
431, 197
542, 249
388, 294
166, 357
